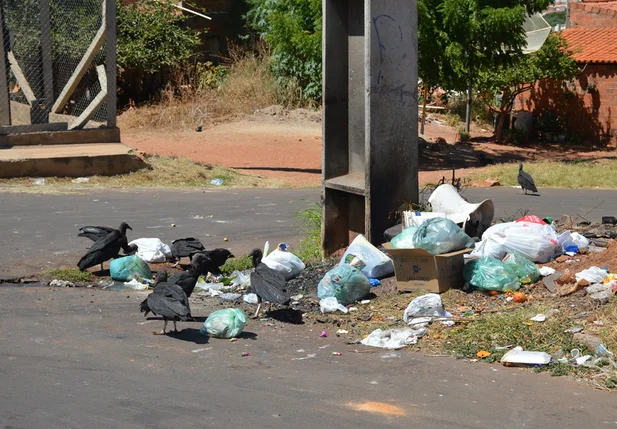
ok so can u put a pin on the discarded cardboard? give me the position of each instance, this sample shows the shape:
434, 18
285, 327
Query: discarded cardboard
418, 269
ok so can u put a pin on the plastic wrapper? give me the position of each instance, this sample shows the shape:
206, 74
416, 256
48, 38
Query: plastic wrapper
426, 305
345, 283
592, 275
284, 261
376, 264
226, 323
490, 274
128, 268
525, 270
438, 236
330, 305
394, 338
152, 249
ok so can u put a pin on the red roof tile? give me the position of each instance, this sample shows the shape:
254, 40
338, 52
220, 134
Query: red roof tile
592, 45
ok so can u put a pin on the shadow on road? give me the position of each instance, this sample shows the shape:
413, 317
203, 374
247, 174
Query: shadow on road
191, 335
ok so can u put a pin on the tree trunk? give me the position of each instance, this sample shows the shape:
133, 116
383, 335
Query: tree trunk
499, 129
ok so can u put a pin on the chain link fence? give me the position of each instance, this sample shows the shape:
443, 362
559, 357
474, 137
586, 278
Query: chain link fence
55, 63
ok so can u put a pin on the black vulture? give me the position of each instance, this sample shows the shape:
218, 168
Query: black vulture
94, 232
188, 279
215, 259
525, 180
268, 284
106, 248
186, 247
167, 300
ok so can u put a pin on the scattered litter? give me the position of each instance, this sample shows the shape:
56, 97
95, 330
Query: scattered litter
538, 318
297, 297
592, 275
365, 301
376, 263
546, 271
250, 298
426, 305
216, 182
230, 296
40, 181
330, 305
201, 350
342, 331
61, 283
337, 354
308, 356
392, 355
353, 309
323, 334
374, 282
81, 180
173, 225
226, 323
518, 356
136, 285
483, 354
245, 354
233, 340
394, 338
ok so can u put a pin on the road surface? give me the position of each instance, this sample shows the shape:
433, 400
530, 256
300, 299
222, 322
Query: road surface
85, 358
39, 231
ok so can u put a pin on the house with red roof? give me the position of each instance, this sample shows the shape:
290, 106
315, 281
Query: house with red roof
587, 105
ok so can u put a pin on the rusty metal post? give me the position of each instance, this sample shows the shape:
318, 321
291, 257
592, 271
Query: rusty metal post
370, 117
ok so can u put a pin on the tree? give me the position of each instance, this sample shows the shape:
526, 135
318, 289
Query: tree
292, 29
553, 61
151, 34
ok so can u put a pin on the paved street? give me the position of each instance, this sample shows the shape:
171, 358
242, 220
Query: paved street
86, 358
39, 231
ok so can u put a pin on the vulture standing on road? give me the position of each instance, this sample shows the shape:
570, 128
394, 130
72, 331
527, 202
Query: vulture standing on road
186, 247
525, 180
188, 279
268, 284
106, 248
167, 300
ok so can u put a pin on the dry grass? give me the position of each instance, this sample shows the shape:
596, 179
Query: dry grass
248, 86
607, 314
570, 174
164, 172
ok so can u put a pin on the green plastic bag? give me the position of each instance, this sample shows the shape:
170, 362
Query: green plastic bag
345, 283
225, 323
404, 240
525, 270
128, 268
490, 274
439, 235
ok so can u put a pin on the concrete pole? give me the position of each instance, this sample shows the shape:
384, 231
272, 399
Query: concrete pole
5, 101
370, 117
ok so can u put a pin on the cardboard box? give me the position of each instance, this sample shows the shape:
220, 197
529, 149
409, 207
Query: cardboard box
418, 269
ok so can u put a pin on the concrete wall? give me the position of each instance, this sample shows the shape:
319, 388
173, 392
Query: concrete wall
589, 105
585, 15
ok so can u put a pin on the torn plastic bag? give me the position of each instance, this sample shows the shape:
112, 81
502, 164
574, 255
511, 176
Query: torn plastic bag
525, 270
152, 249
404, 240
376, 263
425, 305
438, 236
128, 268
490, 274
284, 261
345, 283
330, 305
592, 275
393, 338
226, 323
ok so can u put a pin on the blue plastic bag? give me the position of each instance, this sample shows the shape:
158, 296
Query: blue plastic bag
225, 323
128, 268
345, 283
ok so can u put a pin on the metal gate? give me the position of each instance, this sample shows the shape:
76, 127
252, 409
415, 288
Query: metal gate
57, 65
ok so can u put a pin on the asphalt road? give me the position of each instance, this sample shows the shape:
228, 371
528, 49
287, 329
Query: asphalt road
85, 358
38, 231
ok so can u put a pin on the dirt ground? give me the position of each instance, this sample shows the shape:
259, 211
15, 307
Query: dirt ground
279, 144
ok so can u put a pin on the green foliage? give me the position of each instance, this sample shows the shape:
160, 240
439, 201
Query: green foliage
310, 220
151, 35
209, 75
555, 18
239, 263
68, 274
292, 29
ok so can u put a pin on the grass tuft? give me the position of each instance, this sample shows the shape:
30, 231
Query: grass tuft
69, 274
567, 174
309, 222
239, 263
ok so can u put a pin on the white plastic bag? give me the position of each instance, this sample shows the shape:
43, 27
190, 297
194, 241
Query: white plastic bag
580, 240
377, 264
330, 305
284, 261
152, 249
592, 275
535, 242
519, 356
418, 218
423, 306
251, 298
394, 338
